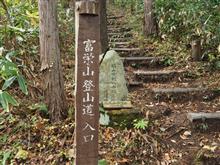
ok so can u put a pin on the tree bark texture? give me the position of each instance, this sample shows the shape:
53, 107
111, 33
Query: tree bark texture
196, 50
50, 60
150, 25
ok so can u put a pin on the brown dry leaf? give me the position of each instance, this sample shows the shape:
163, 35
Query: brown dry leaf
167, 156
210, 148
71, 153
39, 125
174, 141
186, 135
124, 160
50, 158
203, 141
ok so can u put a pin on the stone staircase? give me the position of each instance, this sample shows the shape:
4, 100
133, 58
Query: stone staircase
167, 95
143, 70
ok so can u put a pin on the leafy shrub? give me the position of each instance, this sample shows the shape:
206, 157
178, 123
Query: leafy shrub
142, 124
20, 26
10, 73
189, 19
18, 31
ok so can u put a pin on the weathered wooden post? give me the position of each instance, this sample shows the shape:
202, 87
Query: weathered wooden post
88, 49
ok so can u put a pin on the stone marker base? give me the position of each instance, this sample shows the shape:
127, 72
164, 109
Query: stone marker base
112, 105
123, 118
121, 113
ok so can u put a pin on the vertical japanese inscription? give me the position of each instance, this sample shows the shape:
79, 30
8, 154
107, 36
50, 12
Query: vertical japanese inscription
88, 49
113, 86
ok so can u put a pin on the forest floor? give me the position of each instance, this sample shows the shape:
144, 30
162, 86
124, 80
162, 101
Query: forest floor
27, 136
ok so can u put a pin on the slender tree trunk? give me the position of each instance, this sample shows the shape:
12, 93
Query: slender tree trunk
196, 50
50, 60
103, 25
150, 25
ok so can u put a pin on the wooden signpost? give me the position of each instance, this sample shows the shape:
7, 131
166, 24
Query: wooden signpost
88, 49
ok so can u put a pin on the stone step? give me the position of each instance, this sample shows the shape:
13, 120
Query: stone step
161, 76
201, 116
119, 44
114, 17
119, 35
128, 51
185, 94
134, 85
142, 61
120, 39
118, 29
114, 23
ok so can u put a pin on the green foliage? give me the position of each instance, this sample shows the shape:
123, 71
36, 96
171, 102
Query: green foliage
214, 60
142, 124
102, 162
22, 84
6, 99
21, 154
6, 156
189, 19
20, 26
168, 61
41, 107
135, 8
10, 73
203, 127
130, 4
19, 31
215, 64
67, 29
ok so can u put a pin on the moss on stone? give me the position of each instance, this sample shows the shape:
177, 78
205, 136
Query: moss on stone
124, 117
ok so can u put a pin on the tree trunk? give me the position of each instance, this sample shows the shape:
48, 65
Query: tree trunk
196, 50
103, 25
50, 60
150, 25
